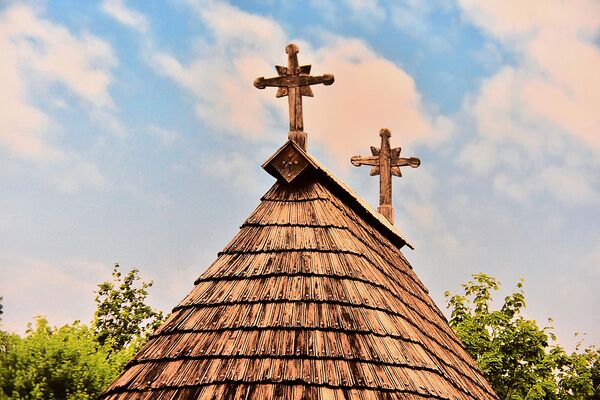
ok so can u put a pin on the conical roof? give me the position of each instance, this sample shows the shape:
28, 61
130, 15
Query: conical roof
312, 299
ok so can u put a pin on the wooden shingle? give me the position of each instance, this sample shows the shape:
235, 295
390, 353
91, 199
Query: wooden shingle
312, 299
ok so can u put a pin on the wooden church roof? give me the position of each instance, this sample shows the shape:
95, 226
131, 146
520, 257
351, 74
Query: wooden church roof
312, 299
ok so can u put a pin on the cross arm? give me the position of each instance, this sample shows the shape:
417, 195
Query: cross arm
402, 162
293, 81
357, 161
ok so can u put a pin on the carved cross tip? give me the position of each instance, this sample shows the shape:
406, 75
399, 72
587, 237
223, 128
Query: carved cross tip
385, 162
294, 81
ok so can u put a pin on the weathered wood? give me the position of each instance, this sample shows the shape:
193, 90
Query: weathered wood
294, 82
288, 81
312, 299
385, 162
385, 177
308, 301
360, 160
288, 163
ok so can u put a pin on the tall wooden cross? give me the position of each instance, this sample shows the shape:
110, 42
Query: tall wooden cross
294, 81
385, 162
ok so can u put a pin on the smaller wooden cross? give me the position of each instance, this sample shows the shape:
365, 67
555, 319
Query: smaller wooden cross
385, 162
294, 81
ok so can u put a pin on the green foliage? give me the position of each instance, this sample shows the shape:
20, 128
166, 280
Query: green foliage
514, 353
76, 362
57, 363
122, 318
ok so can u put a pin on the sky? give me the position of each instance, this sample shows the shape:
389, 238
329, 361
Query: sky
131, 133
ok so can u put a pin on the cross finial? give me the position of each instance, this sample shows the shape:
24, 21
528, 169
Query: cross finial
294, 81
385, 162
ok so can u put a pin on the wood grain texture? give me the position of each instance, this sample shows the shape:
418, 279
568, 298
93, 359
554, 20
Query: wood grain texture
294, 82
385, 162
307, 301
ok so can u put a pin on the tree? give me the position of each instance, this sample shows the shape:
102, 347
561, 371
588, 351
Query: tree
122, 317
76, 362
514, 353
64, 363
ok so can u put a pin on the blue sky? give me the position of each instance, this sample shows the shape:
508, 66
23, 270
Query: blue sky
130, 132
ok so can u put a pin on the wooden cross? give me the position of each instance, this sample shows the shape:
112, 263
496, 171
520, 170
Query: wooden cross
294, 81
385, 162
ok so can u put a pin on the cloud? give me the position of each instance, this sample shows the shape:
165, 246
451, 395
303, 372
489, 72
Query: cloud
480, 155
165, 136
540, 112
512, 20
81, 64
411, 16
232, 168
75, 173
126, 16
109, 121
368, 12
38, 55
21, 125
343, 117
244, 46
415, 18
568, 186
6, 220
592, 262
52, 288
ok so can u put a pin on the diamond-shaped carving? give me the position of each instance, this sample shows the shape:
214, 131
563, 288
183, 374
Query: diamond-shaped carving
289, 163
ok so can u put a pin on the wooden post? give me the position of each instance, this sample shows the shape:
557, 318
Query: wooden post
294, 81
385, 177
294, 97
385, 162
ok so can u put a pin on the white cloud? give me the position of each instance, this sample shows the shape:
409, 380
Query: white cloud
52, 288
6, 220
489, 56
165, 136
21, 125
417, 202
109, 121
480, 155
414, 18
37, 54
512, 20
362, 79
245, 46
542, 109
368, 12
124, 15
232, 168
592, 262
327, 9
411, 16
82, 64
568, 186
75, 173
514, 188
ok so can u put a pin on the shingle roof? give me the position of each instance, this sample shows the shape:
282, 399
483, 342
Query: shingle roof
312, 299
